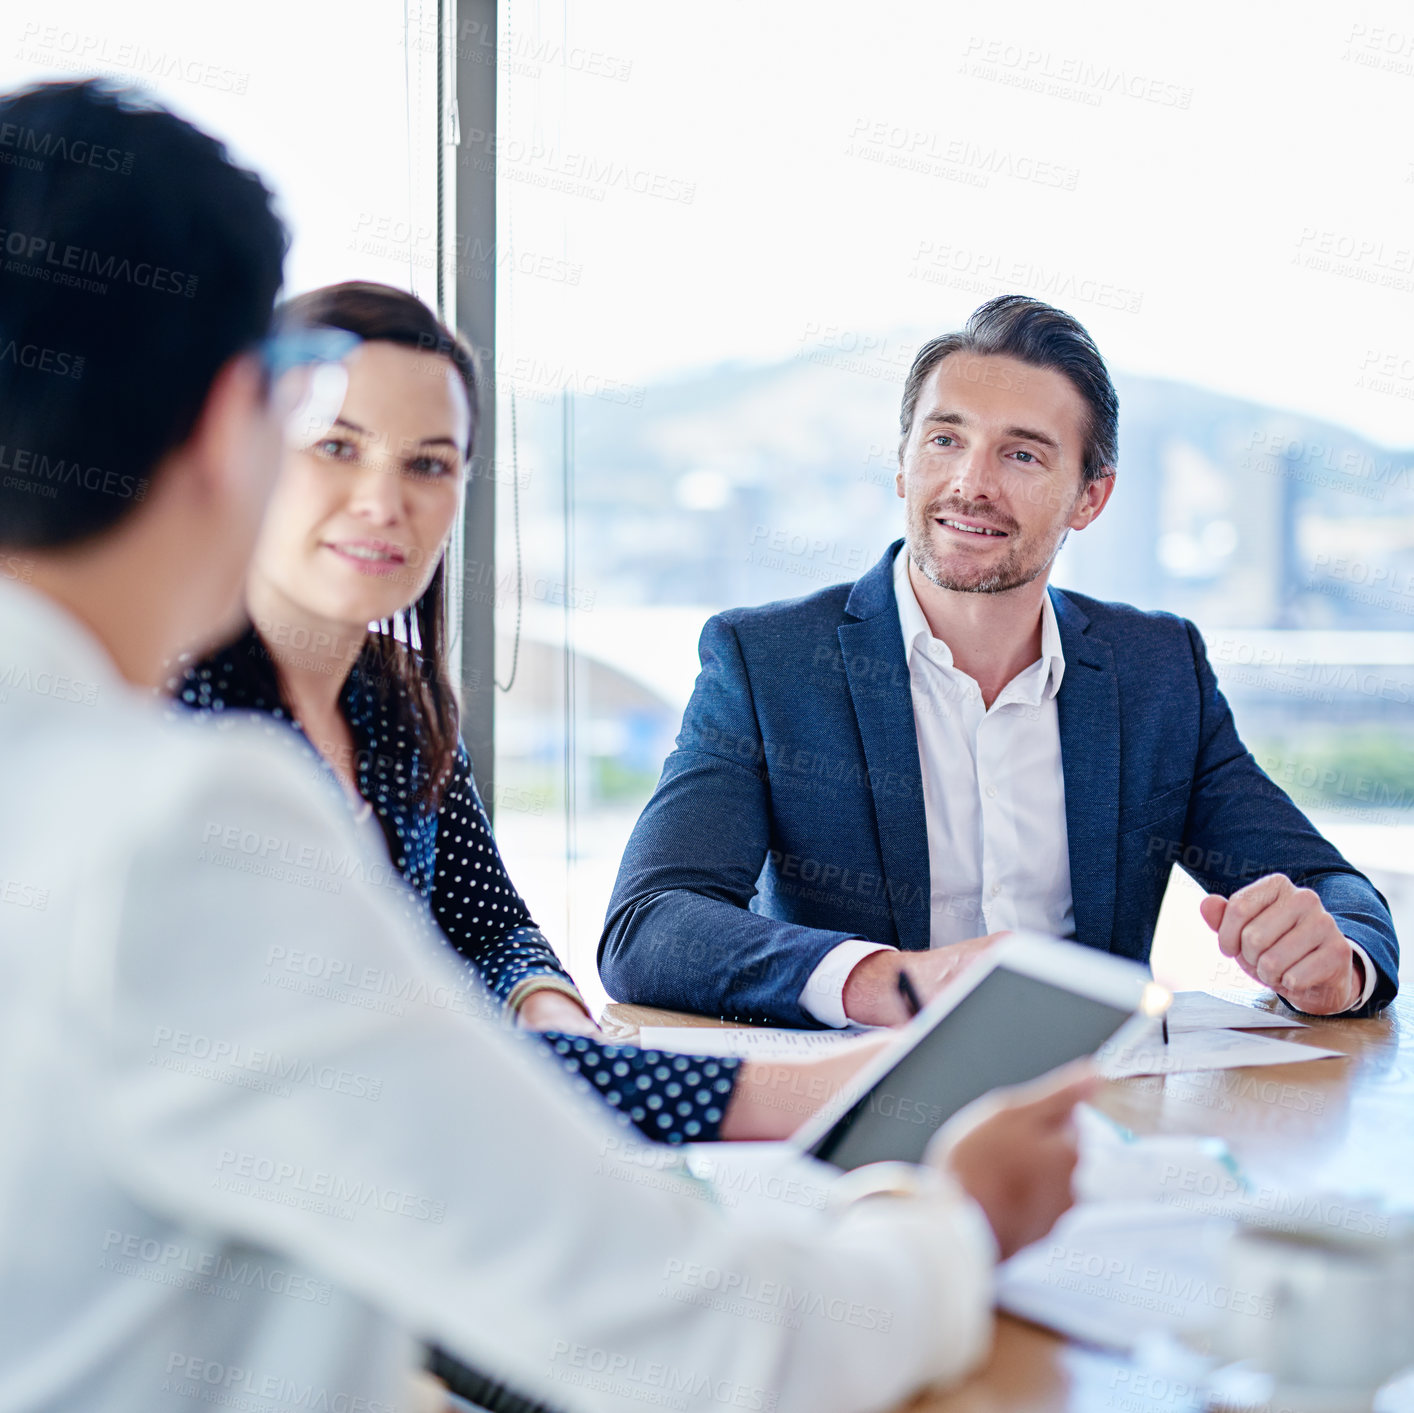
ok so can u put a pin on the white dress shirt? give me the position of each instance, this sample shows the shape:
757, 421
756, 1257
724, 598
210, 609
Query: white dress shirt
234, 1180
994, 799
993, 796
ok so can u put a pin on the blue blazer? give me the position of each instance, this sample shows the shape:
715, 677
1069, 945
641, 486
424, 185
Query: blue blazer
790, 815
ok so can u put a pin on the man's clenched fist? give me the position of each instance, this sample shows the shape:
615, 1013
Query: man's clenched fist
1282, 936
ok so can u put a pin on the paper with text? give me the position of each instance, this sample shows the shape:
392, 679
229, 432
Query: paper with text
747, 1043
1207, 1050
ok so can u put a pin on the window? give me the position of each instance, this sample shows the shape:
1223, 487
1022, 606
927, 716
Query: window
723, 238
336, 111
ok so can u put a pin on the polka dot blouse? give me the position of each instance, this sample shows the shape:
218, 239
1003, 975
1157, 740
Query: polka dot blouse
448, 856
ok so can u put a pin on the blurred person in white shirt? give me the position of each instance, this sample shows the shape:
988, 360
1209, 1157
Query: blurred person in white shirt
224, 1187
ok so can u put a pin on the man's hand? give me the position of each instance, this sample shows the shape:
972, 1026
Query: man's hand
871, 995
553, 1010
1282, 936
1014, 1152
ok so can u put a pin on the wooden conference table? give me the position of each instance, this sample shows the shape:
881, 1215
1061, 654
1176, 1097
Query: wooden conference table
1337, 1125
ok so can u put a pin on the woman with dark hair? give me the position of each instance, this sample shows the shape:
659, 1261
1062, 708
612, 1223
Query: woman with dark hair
355, 534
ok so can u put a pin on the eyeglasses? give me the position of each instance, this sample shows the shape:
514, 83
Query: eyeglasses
308, 378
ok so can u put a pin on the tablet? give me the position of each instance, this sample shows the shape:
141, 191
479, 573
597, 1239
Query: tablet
1028, 1004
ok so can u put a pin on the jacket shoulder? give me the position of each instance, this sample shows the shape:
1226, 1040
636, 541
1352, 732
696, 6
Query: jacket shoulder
1124, 623
822, 609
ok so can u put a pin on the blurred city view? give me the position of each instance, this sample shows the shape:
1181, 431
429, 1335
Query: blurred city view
1289, 541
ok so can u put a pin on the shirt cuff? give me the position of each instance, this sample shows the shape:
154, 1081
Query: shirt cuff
1372, 975
823, 995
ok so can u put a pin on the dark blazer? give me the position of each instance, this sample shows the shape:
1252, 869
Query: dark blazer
790, 815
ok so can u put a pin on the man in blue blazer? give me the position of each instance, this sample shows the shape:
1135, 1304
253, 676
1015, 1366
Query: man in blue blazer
879, 777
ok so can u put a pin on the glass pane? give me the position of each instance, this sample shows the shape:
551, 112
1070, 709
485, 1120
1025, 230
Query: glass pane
727, 233
337, 112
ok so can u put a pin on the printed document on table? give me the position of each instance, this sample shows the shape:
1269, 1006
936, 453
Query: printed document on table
746, 1042
1206, 1050
1111, 1273
1197, 1010
1198, 1040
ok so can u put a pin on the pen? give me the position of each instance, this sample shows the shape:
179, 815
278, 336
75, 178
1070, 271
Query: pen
1166, 1029
910, 996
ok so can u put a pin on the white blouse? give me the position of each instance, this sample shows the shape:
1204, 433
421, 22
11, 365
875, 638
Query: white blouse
260, 1138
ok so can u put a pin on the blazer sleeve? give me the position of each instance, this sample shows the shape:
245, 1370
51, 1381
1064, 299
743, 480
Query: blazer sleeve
679, 930
476, 905
667, 1097
1242, 826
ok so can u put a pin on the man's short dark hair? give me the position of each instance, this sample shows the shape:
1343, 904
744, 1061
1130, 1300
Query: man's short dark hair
136, 259
1017, 326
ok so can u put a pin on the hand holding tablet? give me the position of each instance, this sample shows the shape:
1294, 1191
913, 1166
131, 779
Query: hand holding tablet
1015, 1151
1026, 1006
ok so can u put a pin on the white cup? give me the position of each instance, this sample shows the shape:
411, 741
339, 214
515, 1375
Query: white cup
1331, 1313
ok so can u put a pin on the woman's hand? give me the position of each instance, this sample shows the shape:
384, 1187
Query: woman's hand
773, 1098
553, 1010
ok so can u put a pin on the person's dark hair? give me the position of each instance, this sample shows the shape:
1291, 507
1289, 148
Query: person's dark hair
384, 314
1017, 326
405, 658
138, 259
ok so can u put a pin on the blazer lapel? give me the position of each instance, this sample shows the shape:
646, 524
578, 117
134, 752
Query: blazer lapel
1087, 707
883, 706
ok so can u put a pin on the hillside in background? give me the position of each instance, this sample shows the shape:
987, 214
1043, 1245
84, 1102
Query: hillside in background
743, 485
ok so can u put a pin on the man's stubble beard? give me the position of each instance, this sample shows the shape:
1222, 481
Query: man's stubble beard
1011, 573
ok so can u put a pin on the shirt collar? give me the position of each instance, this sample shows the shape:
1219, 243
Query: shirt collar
917, 635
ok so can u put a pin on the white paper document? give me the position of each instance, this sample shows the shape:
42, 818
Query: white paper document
1207, 1050
757, 1042
1198, 1040
1197, 1010
1110, 1273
